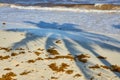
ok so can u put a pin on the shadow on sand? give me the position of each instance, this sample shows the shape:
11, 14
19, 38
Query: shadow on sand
71, 36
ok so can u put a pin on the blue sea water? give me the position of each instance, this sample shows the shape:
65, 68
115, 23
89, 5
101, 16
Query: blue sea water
60, 1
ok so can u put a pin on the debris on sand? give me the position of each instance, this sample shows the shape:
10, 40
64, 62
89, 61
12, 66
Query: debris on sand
69, 71
61, 57
52, 51
99, 74
34, 60
95, 66
25, 72
14, 54
115, 68
6, 49
101, 57
60, 68
4, 57
40, 49
82, 57
58, 42
37, 53
54, 78
105, 67
77, 75
8, 76
7, 69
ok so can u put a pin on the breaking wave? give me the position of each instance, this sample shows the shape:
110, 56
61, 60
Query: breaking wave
65, 5
62, 9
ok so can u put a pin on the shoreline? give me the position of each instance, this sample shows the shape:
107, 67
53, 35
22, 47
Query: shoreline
74, 6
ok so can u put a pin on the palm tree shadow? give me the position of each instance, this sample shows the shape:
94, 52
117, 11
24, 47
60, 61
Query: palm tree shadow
86, 44
55, 25
78, 36
28, 38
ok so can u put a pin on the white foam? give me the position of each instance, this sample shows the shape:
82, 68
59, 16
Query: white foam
62, 9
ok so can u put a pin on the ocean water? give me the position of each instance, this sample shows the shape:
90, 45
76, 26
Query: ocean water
60, 1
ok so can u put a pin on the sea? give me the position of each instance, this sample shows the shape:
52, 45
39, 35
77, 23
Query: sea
37, 2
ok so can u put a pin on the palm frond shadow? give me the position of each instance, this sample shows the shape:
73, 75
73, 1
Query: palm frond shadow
82, 38
55, 25
86, 44
28, 38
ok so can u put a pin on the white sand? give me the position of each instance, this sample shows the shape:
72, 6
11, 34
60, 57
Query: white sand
91, 40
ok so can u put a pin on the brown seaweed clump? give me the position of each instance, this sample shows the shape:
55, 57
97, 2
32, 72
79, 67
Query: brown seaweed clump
37, 53
6, 49
7, 69
101, 57
58, 42
54, 78
82, 58
105, 67
25, 72
69, 71
4, 57
77, 75
40, 49
34, 60
60, 68
99, 74
61, 57
52, 51
8, 76
95, 66
31, 61
14, 54
115, 68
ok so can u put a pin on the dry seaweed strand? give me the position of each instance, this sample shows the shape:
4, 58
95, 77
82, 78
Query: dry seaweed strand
77, 75
95, 66
52, 51
40, 49
61, 57
6, 49
82, 57
115, 68
4, 57
14, 54
7, 69
101, 57
17, 65
105, 67
99, 74
54, 77
69, 71
33, 61
22, 52
25, 72
37, 53
55, 68
19, 49
8, 76
58, 42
